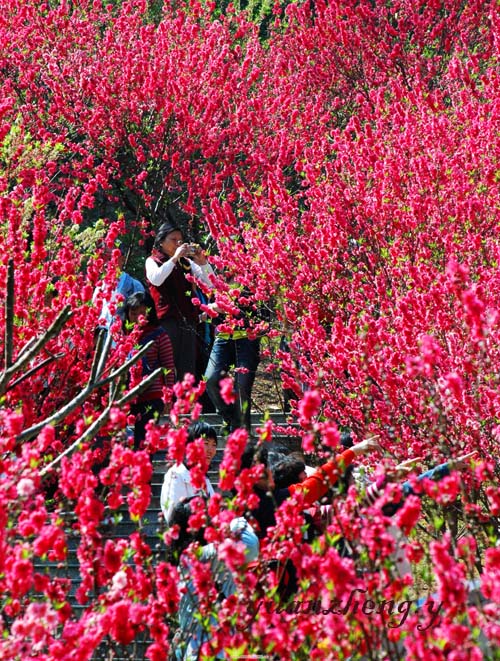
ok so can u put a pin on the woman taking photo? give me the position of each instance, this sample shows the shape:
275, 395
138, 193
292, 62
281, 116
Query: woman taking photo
167, 271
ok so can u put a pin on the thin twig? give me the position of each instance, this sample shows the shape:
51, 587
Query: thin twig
36, 368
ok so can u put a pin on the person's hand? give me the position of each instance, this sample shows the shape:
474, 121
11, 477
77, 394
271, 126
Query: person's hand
459, 463
184, 250
402, 469
215, 308
368, 445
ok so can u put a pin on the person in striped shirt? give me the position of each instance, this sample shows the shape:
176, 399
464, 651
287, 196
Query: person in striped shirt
151, 402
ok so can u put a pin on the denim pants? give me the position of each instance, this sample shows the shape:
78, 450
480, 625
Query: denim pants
227, 353
192, 633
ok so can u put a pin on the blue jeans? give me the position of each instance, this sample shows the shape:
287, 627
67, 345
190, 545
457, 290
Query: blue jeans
228, 353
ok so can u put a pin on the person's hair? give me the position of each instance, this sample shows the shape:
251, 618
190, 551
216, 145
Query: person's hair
286, 472
200, 429
346, 439
180, 517
345, 479
136, 300
344, 482
254, 454
163, 231
274, 457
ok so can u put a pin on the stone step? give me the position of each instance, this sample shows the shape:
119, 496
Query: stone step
214, 419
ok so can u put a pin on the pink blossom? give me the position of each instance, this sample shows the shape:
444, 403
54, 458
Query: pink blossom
409, 514
25, 487
309, 405
227, 390
347, 174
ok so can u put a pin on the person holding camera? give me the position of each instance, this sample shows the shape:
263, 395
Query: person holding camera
171, 261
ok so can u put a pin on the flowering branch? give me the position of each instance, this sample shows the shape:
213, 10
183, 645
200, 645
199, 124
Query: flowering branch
103, 418
9, 314
77, 401
29, 352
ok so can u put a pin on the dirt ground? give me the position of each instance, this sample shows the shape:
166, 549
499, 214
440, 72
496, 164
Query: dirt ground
266, 393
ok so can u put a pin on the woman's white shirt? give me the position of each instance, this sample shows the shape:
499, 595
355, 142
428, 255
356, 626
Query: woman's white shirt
158, 273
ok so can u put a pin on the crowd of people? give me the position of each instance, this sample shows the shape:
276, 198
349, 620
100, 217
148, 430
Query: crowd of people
181, 341
283, 475
184, 339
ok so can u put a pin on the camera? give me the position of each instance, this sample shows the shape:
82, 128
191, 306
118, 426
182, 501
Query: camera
193, 249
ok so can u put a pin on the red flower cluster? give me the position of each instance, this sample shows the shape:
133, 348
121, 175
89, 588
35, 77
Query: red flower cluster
344, 159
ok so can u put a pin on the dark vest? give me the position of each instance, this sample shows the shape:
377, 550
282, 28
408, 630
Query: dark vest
173, 296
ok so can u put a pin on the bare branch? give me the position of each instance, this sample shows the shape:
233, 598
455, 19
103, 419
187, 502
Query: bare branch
143, 385
58, 416
27, 355
89, 433
99, 346
9, 314
77, 401
123, 368
103, 418
103, 356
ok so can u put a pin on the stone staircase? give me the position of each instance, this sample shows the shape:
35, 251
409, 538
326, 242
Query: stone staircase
152, 526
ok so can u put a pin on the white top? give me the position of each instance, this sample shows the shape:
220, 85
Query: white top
176, 486
157, 274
